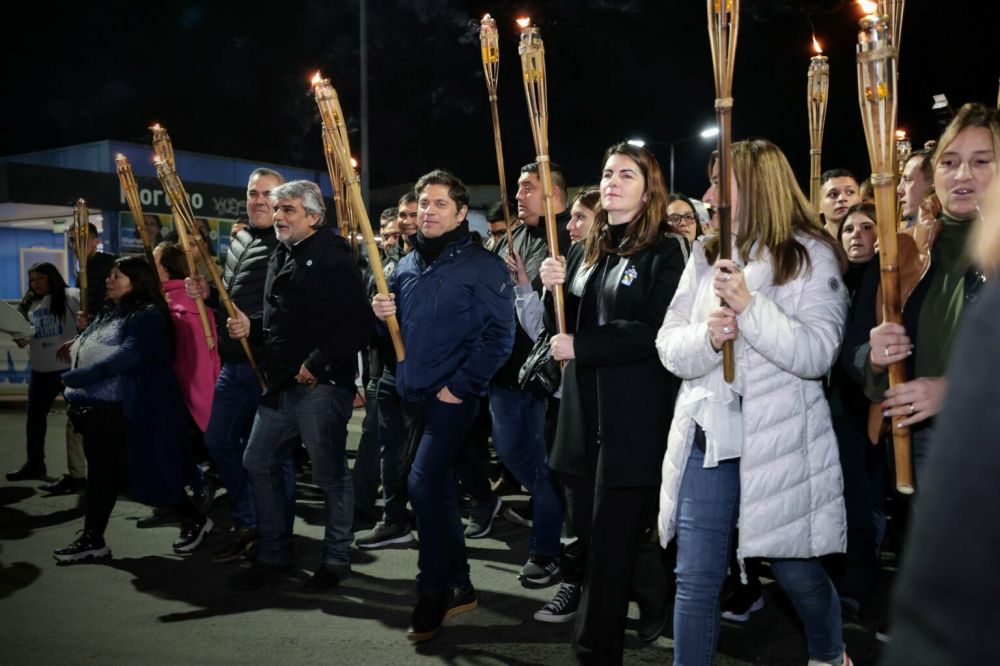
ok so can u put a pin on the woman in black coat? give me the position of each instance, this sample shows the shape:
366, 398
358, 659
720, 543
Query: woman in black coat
617, 399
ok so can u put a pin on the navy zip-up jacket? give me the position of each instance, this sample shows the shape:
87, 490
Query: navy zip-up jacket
457, 320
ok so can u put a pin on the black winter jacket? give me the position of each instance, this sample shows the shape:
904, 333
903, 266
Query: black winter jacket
316, 312
243, 277
635, 393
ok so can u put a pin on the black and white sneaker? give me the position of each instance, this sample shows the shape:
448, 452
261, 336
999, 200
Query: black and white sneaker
88, 546
192, 533
563, 606
539, 570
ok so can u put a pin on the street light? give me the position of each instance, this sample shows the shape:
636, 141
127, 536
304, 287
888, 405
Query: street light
707, 133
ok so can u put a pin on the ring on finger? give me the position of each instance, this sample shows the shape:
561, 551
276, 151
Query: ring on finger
887, 350
726, 330
912, 408
726, 277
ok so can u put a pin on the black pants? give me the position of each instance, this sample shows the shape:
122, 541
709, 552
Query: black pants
620, 519
43, 389
102, 426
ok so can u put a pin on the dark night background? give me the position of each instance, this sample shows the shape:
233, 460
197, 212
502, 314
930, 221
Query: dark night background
232, 78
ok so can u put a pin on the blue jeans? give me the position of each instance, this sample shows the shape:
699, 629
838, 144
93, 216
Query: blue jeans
433, 492
318, 415
519, 438
234, 404
707, 509
391, 449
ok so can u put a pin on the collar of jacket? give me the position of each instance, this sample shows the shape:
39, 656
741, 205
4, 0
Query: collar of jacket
447, 254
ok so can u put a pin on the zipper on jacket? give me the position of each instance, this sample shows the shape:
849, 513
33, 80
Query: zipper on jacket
437, 292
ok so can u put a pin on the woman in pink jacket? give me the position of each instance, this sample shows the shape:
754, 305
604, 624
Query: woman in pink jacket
195, 364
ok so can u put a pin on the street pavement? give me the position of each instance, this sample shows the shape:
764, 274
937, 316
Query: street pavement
147, 605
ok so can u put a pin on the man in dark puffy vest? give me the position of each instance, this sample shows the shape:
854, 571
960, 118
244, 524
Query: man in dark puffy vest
237, 390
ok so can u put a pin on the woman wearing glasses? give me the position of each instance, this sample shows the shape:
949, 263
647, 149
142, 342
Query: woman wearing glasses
682, 218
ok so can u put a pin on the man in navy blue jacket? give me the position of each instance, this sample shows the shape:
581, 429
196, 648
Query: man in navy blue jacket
456, 308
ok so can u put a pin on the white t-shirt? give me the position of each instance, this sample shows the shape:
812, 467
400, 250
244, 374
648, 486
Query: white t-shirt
51, 331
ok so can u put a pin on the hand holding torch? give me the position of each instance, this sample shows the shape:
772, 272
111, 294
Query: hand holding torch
532, 52
876, 58
723, 26
332, 116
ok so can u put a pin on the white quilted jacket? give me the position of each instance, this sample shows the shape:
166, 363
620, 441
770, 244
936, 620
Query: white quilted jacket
791, 487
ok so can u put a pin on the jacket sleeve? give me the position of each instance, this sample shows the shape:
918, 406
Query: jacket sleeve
529, 309
805, 342
144, 331
494, 298
623, 341
348, 320
683, 345
854, 353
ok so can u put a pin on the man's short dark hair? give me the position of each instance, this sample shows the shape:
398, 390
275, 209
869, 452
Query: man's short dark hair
457, 190
837, 173
388, 214
558, 179
495, 212
927, 165
408, 198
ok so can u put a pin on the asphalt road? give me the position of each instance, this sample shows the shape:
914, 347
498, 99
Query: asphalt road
149, 606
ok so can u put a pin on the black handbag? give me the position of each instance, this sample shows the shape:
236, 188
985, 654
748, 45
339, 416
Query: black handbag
540, 373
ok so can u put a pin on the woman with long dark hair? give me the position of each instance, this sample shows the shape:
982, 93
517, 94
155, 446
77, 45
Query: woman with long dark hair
762, 449
125, 402
616, 403
52, 313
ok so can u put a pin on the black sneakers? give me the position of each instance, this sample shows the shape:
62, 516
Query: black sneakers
745, 600
241, 544
67, 485
325, 579
563, 606
433, 608
258, 575
539, 570
193, 531
88, 546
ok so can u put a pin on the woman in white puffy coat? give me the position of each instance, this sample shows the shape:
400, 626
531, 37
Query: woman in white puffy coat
760, 451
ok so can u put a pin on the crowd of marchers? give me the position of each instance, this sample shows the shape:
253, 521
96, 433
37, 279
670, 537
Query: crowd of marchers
597, 373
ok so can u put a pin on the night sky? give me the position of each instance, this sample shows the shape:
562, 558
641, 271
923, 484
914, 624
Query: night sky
231, 78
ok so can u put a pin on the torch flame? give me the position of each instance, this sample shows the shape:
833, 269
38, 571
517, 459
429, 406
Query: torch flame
869, 7
119, 156
523, 22
487, 17
900, 135
354, 163
317, 78
816, 47
156, 127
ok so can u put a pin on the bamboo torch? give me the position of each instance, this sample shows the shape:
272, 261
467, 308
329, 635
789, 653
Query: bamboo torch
336, 183
490, 43
131, 191
184, 239
817, 89
532, 52
723, 27
81, 247
333, 119
876, 57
